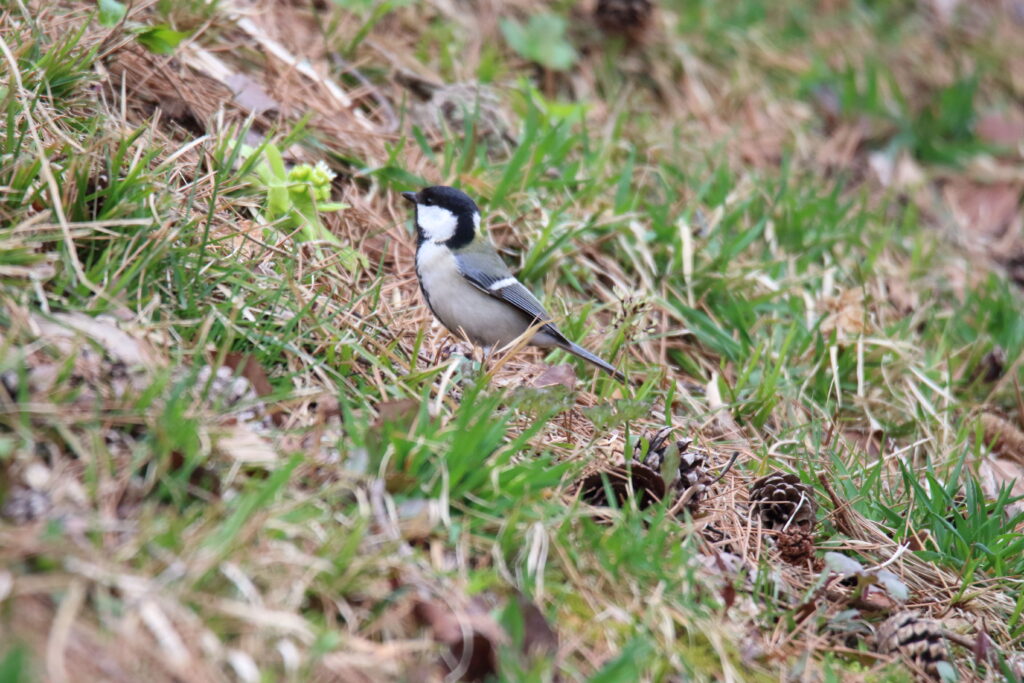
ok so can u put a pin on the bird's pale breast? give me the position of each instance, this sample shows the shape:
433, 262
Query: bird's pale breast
459, 305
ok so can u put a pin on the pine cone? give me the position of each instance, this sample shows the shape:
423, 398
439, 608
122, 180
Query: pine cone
657, 443
231, 391
992, 365
914, 638
627, 18
692, 464
784, 502
646, 484
796, 547
24, 505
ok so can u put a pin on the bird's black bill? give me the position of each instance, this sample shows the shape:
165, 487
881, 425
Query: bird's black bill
411, 196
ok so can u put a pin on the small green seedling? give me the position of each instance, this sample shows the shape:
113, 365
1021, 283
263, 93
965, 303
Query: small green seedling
295, 199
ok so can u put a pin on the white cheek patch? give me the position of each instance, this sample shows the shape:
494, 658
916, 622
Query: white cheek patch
437, 223
476, 223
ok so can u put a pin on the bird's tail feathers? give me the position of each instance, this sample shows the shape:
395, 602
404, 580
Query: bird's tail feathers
581, 352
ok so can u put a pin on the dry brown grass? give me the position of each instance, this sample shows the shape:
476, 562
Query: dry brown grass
270, 63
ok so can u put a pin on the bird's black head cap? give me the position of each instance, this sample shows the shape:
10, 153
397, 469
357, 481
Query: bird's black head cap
438, 199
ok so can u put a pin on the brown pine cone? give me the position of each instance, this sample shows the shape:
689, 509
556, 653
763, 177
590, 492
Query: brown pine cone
657, 443
915, 638
796, 547
25, 505
692, 470
784, 502
646, 484
627, 18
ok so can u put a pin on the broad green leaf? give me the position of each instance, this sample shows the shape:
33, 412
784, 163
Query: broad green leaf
670, 463
276, 162
111, 12
542, 40
160, 39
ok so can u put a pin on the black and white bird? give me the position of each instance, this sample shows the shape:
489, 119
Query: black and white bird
467, 285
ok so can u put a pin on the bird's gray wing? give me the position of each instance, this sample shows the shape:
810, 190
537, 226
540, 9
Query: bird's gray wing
488, 273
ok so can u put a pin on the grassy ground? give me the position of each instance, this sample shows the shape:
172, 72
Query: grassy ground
234, 445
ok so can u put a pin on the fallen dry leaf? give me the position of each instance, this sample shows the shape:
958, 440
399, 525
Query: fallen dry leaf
103, 330
864, 440
471, 635
919, 540
247, 366
996, 473
982, 212
873, 598
327, 406
900, 172
901, 296
984, 649
418, 518
846, 315
250, 95
1003, 437
538, 636
401, 410
243, 445
393, 418
557, 374
1002, 129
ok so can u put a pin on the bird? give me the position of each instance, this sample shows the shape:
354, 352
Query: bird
469, 288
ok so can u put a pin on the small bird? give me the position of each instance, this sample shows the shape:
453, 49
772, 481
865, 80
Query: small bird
466, 284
